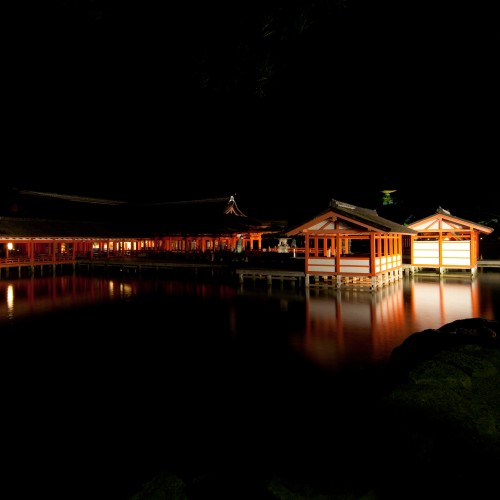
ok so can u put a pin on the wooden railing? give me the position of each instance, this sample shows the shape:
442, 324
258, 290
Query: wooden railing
39, 259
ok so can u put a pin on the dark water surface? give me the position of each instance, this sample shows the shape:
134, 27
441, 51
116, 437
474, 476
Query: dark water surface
107, 381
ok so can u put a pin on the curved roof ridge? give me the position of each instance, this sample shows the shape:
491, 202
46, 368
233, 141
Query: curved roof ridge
71, 197
232, 208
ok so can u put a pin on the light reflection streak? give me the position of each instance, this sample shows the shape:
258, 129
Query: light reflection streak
332, 329
10, 301
20, 298
364, 327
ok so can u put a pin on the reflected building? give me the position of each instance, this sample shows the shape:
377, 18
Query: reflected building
26, 298
438, 303
346, 328
333, 329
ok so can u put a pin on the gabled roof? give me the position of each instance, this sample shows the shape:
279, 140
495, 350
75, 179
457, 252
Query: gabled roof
15, 227
366, 218
196, 217
443, 219
70, 197
29, 204
53, 214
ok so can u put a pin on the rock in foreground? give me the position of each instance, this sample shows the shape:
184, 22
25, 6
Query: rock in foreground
440, 420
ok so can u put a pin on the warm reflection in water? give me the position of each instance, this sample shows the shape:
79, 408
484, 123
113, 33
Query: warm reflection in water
331, 329
30, 297
106, 380
362, 327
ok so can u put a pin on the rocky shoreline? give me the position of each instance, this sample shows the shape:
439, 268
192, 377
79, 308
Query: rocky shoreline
441, 418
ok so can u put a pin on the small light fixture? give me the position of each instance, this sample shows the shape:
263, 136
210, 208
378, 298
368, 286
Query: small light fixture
10, 245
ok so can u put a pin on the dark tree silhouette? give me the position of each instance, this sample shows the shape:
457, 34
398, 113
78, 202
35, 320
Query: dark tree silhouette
258, 48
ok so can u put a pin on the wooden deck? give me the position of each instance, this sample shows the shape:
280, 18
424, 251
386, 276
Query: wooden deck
485, 264
482, 265
156, 268
270, 275
26, 267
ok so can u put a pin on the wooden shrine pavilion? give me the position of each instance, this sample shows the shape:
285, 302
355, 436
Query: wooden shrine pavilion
352, 247
445, 242
198, 227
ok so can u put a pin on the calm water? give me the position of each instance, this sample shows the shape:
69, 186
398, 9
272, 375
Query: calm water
106, 381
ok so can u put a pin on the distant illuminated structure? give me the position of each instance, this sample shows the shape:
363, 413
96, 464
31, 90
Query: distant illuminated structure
387, 198
347, 246
446, 243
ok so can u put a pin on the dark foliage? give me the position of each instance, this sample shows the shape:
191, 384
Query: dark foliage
280, 48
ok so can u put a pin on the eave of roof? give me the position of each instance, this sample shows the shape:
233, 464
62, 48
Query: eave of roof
213, 216
446, 214
364, 216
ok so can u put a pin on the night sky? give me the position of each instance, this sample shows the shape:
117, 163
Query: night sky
286, 104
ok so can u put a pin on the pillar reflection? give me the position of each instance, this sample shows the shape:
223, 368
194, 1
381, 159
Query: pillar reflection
356, 327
